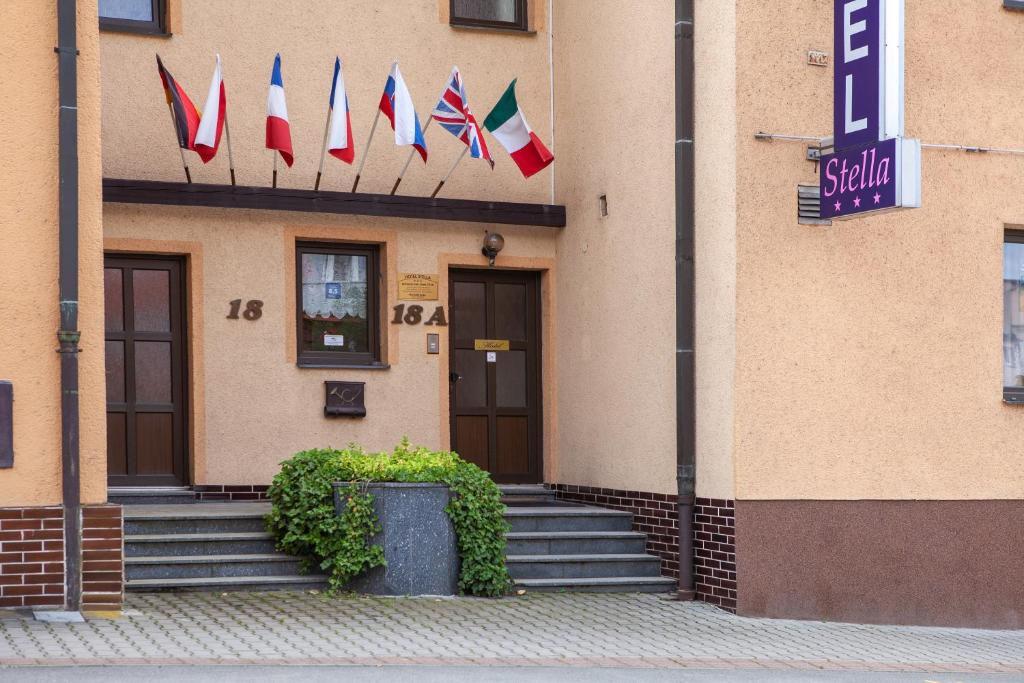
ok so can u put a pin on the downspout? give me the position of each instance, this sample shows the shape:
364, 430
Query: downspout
685, 295
67, 335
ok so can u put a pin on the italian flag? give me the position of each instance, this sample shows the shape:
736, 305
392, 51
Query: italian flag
508, 125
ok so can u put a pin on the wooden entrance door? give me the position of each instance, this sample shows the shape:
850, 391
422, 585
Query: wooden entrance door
495, 395
145, 363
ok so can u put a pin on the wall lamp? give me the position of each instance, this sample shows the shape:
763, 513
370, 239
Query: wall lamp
493, 243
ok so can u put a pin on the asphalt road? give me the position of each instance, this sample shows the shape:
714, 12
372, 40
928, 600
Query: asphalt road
417, 674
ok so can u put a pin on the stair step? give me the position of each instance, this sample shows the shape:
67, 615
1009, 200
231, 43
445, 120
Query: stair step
194, 518
206, 566
622, 584
151, 496
577, 518
217, 543
575, 542
232, 583
582, 566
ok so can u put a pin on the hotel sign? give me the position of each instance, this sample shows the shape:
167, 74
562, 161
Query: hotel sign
872, 166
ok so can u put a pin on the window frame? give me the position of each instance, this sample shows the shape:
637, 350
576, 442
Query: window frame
156, 27
520, 24
1012, 236
342, 359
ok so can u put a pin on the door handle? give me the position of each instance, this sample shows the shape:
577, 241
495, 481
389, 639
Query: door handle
454, 377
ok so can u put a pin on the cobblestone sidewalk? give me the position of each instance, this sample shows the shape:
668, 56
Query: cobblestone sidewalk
613, 630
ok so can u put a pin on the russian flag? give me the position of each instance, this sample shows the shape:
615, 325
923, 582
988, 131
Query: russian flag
339, 139
211, 124
279, 134
396, 103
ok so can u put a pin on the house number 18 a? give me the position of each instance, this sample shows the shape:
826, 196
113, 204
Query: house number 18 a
413, 315
253, 309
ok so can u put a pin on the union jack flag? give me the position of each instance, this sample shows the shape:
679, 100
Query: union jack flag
453, 114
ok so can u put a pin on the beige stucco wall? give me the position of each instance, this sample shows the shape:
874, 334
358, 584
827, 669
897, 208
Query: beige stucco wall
251, 405
868, 353
616, 292
715, 247
28, 259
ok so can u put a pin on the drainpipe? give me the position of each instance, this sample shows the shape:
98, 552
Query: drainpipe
685, 295
67, 335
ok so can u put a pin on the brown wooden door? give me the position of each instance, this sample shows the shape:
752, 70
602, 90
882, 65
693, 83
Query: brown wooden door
145, 363
495, 406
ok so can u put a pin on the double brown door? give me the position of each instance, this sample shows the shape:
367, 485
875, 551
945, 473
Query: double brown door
145, 364
494, 357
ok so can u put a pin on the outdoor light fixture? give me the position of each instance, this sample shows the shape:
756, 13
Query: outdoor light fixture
493, 243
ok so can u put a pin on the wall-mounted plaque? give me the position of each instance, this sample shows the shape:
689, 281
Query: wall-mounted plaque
345, 399
417, 287
490, 344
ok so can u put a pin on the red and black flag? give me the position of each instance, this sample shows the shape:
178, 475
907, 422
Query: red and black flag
186, 118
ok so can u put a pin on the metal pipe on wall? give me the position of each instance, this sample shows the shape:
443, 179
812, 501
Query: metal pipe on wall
68, 334
685, 294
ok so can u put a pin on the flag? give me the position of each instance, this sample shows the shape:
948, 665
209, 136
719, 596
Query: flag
279, 134
396, 103
186, 118
507, 123
452, 113
211, 124
339, 139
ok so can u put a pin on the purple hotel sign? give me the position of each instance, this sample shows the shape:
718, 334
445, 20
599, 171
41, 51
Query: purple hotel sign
872, 166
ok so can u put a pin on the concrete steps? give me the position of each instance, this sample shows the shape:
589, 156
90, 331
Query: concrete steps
581, 548
206, 546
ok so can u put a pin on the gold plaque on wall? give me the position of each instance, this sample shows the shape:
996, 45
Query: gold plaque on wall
490, 344
417, 287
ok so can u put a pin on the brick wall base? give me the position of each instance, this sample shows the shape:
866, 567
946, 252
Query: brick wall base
32, 557
226, 493
657, 515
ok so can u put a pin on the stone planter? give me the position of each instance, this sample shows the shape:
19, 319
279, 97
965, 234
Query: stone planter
418, 538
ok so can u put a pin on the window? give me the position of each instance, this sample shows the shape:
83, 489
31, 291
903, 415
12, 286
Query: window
507, 14
134, 16
1013, 317
1013, 4
338, 314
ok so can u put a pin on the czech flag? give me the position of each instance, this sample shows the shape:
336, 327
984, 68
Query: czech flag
211, 125
186, 118
508, 125
279, 134
339, 139
396, 103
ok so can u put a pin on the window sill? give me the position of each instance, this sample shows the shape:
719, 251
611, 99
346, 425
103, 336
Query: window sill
136, 31
1013, 4
1013, 398
496, 29
343, 366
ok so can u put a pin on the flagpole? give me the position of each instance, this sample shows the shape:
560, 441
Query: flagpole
275, 169
366, 151
323, 150
412, 153
174, 125
450, 170
227, 135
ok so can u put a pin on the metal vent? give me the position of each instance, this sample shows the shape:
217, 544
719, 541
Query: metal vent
808, 205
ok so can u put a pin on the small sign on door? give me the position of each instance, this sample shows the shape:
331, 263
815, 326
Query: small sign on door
492, 356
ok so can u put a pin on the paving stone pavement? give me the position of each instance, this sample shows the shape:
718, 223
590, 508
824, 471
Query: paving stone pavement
591, 630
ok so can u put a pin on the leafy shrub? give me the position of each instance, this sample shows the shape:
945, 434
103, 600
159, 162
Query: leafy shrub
305, 523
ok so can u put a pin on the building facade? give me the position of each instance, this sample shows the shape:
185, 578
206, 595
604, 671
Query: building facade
856, 455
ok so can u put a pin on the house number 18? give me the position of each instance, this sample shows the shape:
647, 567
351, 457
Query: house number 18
413, 315
253, 309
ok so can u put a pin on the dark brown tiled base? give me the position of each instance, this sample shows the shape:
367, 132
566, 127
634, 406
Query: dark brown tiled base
32, 557
226, 493
714, 551
929, 563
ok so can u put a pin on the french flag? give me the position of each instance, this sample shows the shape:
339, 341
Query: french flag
339, 139
279, 134
396, 103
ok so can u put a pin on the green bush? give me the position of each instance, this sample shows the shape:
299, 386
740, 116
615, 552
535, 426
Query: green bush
305, 523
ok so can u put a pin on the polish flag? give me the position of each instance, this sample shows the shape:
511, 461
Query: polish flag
211, 125
279, 134
339, 139
396, 103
